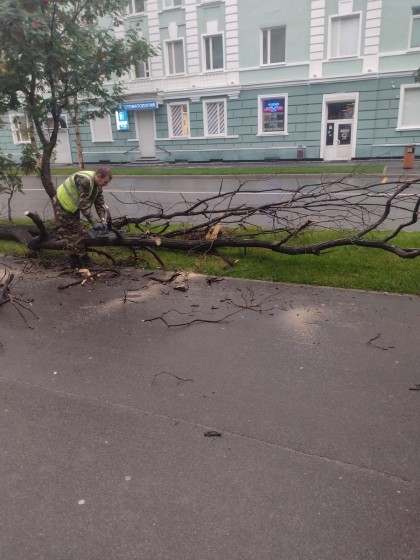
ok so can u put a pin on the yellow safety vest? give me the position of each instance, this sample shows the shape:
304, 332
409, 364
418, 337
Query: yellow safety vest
68, 194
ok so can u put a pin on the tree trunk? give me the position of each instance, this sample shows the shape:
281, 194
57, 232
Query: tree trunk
34, 143
28, 237
78, 141
9, 208
48, 145
46, 171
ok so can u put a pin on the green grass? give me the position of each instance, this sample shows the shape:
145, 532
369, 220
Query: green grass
222, 170
345, 267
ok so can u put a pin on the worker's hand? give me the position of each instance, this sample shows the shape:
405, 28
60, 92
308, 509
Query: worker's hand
100, 225
98, 230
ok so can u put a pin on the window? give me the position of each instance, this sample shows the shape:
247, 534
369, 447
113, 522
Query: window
100, 128
20, 129
213, 49
179, 122
272, 114
142, 69
409, 113
340, 110
175, 57
49, 124
415, 29
215, 118
137, 6
344, 36
172, 3
274, 45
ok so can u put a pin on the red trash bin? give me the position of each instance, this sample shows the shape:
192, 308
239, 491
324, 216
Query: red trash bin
409, 155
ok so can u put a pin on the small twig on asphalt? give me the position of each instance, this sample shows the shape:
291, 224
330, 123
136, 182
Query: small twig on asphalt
372, 340
165, 280
4, 288
91, 276
188, 323
126, 298
241, 308
6, 296
180, 379
20, 312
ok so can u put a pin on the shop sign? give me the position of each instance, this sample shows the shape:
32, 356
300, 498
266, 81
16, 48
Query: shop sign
138, 106
122, 119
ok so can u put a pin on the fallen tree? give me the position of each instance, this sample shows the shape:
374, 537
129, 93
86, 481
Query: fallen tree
276, 222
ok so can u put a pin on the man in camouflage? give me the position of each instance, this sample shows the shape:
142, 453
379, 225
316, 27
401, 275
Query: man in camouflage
76, 195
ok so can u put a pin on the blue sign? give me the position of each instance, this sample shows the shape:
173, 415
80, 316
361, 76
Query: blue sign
138, 106
122, 120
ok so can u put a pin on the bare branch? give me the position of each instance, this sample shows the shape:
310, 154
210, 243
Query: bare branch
262, 217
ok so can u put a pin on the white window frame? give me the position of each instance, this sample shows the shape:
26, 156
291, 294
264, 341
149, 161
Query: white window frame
167, 55
17, 134
413, 17
400, 125
147, 74
203, 46
107, 120
269, 30
262, 98
170, 123
337, 18
131, 8
169, 4
207, 102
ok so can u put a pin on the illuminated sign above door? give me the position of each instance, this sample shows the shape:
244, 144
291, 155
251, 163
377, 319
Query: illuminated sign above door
138, 106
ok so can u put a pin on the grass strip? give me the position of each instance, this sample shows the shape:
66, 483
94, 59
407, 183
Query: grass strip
263, 170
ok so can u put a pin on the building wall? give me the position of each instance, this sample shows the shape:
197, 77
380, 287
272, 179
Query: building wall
383, 64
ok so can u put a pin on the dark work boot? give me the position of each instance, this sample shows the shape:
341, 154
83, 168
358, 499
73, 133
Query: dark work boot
75, 262
85, 260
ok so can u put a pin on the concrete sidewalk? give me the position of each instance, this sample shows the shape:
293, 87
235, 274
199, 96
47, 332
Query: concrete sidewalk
391, 167
110, 418
396, 168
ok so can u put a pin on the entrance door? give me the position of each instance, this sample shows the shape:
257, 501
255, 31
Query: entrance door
62, 151
62, 148
339, 131
146, 133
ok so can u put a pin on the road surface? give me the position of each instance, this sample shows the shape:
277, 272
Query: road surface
138, 195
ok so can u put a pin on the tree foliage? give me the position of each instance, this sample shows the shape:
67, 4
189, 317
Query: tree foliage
11, 175
58, 56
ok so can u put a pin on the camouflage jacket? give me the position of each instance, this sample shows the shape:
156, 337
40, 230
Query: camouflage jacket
86, 202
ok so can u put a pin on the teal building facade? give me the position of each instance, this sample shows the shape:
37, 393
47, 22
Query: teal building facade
241, 80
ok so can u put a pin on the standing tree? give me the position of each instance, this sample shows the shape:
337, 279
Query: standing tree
63, 56
11, 175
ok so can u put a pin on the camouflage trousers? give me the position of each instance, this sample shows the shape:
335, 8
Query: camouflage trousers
71, 230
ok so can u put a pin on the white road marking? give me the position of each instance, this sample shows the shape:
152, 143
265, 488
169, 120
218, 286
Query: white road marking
243, 193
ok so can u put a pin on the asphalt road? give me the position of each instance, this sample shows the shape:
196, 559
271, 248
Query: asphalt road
134, 196
105, 414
